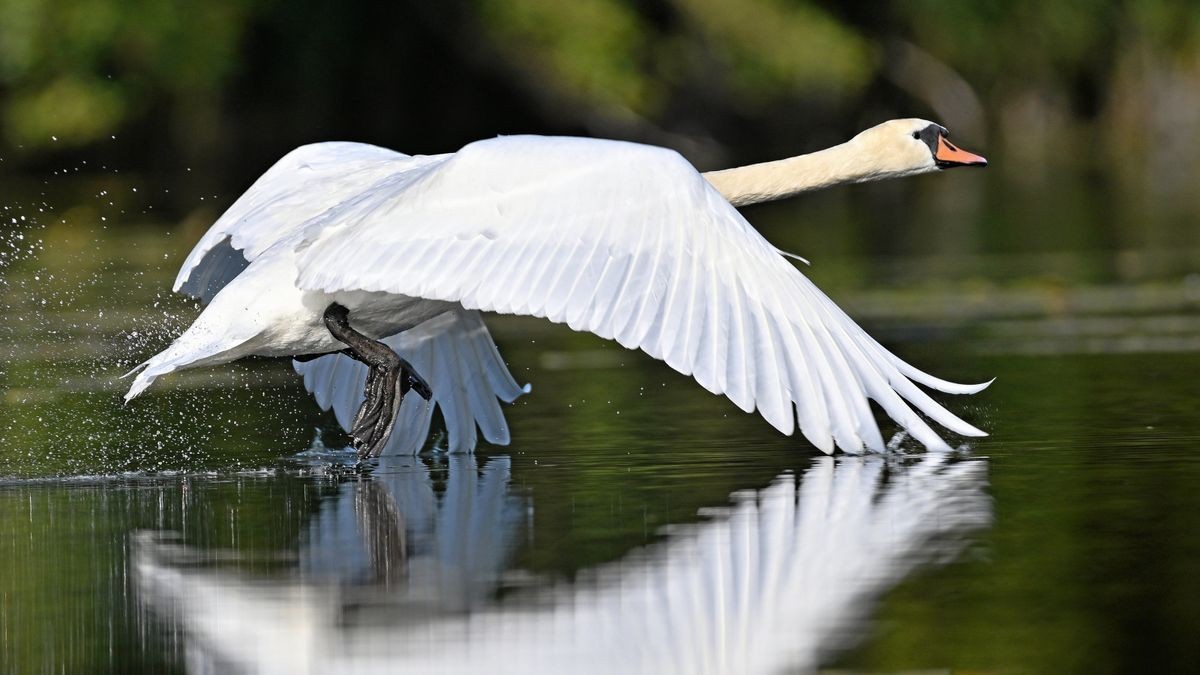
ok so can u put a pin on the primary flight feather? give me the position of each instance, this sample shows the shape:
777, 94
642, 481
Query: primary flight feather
372, 267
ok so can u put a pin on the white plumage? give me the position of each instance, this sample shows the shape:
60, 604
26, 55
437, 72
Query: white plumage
623, 240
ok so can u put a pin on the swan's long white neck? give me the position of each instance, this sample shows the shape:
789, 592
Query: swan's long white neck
845, 163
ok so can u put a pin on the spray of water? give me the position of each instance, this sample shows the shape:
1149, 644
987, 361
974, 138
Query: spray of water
85, 268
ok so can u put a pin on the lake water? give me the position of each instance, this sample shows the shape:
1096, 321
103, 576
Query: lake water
636, 523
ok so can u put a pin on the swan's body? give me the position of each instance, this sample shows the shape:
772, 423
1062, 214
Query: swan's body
623, 240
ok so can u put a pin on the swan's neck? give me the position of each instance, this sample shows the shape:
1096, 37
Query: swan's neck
786, 177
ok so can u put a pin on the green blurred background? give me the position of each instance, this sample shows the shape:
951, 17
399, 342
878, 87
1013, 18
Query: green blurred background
224, 87
1087, 109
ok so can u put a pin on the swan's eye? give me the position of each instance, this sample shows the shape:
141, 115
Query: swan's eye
917, 135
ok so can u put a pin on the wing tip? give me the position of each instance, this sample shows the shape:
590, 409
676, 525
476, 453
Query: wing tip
974, 432
822, 442
974, 388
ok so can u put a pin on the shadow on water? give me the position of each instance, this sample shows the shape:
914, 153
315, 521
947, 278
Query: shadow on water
411, 570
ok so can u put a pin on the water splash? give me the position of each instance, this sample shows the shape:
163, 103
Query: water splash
84, 289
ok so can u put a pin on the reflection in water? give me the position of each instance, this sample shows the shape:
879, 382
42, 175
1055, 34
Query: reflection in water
393, 532
392, 576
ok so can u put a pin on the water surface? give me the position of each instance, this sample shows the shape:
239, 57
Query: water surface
213, 525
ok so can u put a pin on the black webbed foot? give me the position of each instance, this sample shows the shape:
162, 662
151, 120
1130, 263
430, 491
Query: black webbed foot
389, 378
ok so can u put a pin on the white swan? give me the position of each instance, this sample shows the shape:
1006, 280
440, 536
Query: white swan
342, 244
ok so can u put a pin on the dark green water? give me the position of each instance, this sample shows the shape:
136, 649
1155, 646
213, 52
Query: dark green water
1067, 541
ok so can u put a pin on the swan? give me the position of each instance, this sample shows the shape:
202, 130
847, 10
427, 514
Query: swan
370, 268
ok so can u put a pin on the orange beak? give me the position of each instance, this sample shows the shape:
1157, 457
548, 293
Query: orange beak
948, 155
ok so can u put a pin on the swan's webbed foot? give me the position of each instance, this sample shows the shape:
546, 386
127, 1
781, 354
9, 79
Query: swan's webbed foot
389, 378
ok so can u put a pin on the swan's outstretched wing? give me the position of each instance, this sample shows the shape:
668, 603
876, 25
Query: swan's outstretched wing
301, 185
631, 243
453, 352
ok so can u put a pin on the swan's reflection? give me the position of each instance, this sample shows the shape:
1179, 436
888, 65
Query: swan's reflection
394, 530
773, 581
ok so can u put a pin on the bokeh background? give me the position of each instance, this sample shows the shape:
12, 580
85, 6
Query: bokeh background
1070, 268
1086, 108
1103, 92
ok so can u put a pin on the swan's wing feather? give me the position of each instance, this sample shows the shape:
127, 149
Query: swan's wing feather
631, 243
303, 184
455, 353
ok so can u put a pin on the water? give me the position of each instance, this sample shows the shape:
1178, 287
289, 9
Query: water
636, 523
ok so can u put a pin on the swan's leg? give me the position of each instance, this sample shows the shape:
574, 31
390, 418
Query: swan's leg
389, 378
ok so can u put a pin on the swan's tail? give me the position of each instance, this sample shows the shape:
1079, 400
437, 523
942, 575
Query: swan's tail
148, 371
198, 346
456, 355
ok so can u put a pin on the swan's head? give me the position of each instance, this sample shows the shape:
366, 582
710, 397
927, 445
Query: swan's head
912, 146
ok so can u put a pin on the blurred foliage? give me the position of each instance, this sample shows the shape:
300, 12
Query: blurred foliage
592, 48
777, 48
1081, 82
608, 53
73, 71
